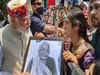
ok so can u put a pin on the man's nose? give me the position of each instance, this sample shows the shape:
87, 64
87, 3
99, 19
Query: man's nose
40, 6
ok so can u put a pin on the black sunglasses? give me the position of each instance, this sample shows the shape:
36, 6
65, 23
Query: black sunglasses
36, 3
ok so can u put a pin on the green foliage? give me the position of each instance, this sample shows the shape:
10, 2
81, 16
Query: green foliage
3, 9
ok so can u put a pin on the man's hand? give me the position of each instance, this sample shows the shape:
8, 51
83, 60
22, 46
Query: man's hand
52, 29
39, 36
60, 32
24, 73
69, 56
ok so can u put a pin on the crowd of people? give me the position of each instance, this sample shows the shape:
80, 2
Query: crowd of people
78, 25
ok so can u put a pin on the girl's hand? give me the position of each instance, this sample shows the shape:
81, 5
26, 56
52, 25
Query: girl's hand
69, 56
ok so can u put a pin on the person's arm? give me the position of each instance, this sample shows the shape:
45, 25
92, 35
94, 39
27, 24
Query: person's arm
36, 26
68, 56
49, 29
24, 73
52, 29
87, 72
39, 36
45, 28
90, 71
92, 68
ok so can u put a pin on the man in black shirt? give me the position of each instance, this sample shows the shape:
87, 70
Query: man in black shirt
37, 24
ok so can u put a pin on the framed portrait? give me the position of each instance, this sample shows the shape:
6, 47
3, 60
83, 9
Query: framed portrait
44, 57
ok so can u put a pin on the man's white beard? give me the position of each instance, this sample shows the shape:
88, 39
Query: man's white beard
23, 30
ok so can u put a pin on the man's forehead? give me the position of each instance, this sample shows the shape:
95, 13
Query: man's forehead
97, 2
21, 18
38, 0
92, 1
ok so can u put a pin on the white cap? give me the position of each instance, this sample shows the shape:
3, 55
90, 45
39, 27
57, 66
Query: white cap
16, 4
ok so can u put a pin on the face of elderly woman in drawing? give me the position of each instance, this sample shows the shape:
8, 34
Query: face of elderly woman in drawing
44, 51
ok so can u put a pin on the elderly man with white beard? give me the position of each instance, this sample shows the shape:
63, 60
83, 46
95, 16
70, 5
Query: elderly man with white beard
15, 36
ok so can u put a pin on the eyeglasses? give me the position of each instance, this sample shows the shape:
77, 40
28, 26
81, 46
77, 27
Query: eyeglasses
97, 7
36, 3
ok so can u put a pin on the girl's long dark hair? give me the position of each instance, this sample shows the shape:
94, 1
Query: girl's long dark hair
78, 18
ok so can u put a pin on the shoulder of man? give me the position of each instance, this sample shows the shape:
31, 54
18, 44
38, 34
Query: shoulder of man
3, 30
35, 19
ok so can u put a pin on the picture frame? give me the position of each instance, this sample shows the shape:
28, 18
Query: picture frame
44, 57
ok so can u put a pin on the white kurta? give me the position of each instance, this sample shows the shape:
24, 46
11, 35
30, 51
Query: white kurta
14, 47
